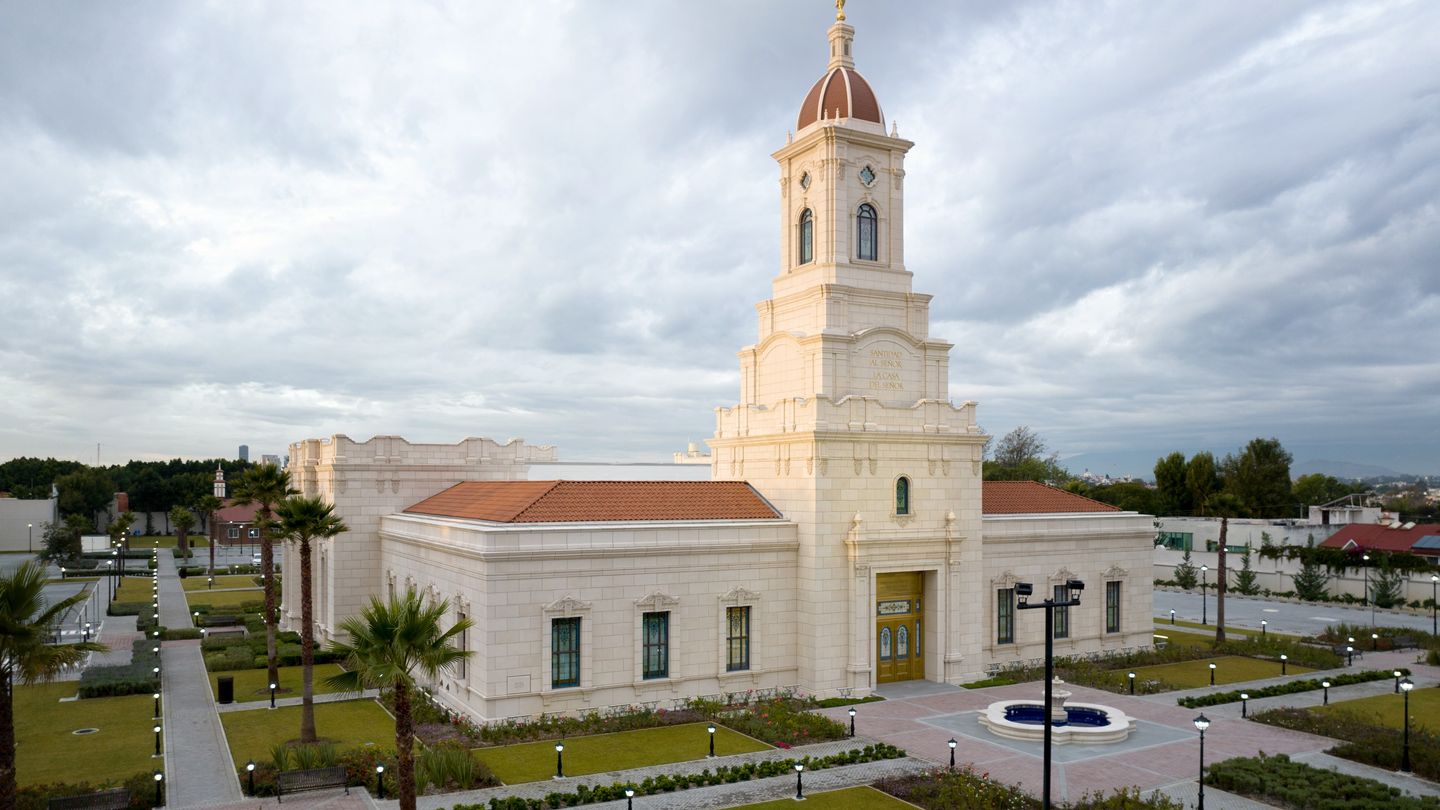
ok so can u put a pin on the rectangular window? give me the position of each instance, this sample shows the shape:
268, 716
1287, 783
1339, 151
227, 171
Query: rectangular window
1112, 607
1062, 614
1005, 616
233, 533
254, 534
564, 653
462, 642
655, 644
737, 638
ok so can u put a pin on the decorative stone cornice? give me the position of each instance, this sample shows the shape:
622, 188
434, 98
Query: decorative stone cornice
658, 599
567, 604
1115, 572
739, 595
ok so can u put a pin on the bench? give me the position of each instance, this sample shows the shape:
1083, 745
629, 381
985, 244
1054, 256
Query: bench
220, 620
312, 779
117, 799
1404, 642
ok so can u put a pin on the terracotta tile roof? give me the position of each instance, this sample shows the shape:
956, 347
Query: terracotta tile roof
587, 501
1032, 497
230, 513
1372, 537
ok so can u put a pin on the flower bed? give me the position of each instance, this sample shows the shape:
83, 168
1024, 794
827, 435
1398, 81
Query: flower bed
1308, 685
1276, 780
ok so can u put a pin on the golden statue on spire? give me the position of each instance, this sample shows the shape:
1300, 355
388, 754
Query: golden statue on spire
839, 10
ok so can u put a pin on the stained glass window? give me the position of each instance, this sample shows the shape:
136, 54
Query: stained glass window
865, 222
807, 237
564, 653
655, 636
737, 638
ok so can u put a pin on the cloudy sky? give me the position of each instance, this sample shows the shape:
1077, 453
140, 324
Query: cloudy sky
1147, 225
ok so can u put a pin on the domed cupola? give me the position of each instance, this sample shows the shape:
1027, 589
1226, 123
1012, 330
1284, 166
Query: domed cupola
842, 92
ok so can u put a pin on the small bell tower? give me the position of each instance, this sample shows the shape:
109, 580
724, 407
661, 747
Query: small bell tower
219, 490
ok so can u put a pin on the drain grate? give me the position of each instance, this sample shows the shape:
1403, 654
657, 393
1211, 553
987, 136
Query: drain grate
85, 731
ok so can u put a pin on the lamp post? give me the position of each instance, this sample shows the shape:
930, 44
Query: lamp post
952, 745
1365, 597
31, 527
156, 672
711, 728
1263, 624
250, 772
209, 582
1132, 683
1172, 616
380, 780
1434, 582
156, 695
1405, 686
1212, 674
629, 798
1283, 659
159, 777
157, 739
1325, 685
852, 722
1397, 673
1374, 642
87, 632
559, 760
1204, 601
1202, 723
799, 781
1073, 587
273, 686
1244, 707
1350, 656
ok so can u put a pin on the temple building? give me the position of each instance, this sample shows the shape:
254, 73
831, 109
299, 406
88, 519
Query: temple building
845, 538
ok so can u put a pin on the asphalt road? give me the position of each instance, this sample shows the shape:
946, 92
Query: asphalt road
1282, 617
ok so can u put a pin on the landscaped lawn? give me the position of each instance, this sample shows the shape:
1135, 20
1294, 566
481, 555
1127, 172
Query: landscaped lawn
1229, 669
532, 762
1161, 623
198, 583
168, 541
1389, 710
349, 724
49, 752
136, 589
252, 684
1181, 638
224, 599
856, 798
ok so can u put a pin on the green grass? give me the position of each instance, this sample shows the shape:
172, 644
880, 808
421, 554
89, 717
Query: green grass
532, 762
1180, 638
48, 752
1229, 669
198, 583
856, 798
167, 541
349, 724
136, 589
1161, 624
1389, 710
224, 599
252, 684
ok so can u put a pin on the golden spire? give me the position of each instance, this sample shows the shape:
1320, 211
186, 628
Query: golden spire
839, 10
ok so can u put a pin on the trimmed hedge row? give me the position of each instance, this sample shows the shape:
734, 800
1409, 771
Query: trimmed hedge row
37, 797
1277, 780
1307, 685
1361, 740
134, 678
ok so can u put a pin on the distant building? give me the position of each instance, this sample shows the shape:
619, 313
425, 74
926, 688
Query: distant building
270, 459
692, 455
1416, 538
244, 452
1347, 510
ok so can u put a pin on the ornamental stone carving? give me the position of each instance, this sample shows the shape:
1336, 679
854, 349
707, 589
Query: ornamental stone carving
567, 604
656, 600
739, 595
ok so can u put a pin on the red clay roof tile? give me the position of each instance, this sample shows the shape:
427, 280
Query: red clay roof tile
1031, 497
589, 501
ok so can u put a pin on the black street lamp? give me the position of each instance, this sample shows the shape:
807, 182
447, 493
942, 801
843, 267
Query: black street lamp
1365, 597
852, 722
629, 798
1350, 656
1326, 686
1263, 624
1172, 616
1434, 627
799, 781
31, 527
156, 672
1132, 683
1244, 700
156, 695
1073, 587
1397, 673
157, 739
273, 686
1212, 674
1374, 642
209, 582
250, 771
380, 780
1202, 723
1405, 686
559, 760
159, 777
1204, 602
711, 728
87, 632
952, 745
1283, 660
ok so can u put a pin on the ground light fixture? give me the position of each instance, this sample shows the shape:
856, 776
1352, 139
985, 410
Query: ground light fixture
1263, 625
157, 739
250, 772
1212, 674
952, 745
711, 728
156, 672
87, 632
273, 687
799, 781
852, 721
559, 760
1284, 659
1132, 683
1201, 723
380, 780
1405, 687
159, 777
1397, 673
1204, 603
629, 798
156, 695
1325, 685
1374, 642
1350, 655
1172, 615
1434, 586
1244, 699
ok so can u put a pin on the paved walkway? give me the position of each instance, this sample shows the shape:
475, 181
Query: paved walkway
198, 768
329, 697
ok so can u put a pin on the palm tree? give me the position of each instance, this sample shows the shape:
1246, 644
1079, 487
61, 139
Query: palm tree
1224, 506
388, 643
183, 520
26, 621
265, 486
303, 520
208, 505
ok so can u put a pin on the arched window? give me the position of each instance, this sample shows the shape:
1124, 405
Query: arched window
902, 496
884, 644
865, 221
807, 237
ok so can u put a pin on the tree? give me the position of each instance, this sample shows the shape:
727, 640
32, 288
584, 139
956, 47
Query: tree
389, 642
265, 486
1259, 478
1245, 579
1201, 480
1019, 446
1224, 506
119, 528
1387, 585
1185, 574
1020, 455
26, 622
1312, 578
183, 520
303, 520
62, 540
208, 505
1174, 496
1317, 489
85, 492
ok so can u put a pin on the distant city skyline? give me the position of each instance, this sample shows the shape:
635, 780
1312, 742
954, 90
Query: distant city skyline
1146, 228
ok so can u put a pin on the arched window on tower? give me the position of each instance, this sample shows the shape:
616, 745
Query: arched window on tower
865, 221
902, 496
807, 237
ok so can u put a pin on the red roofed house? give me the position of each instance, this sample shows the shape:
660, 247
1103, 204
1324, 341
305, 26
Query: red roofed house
844, 540
1416, 538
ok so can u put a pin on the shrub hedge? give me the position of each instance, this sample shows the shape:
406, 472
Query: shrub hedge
37, 797
1362, 741
943, 789
1277, 780
134, 678
1307, 685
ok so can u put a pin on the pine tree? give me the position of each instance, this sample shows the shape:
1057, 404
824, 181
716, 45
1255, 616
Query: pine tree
1386, 586
1185, 574
1311, 580
1245, 579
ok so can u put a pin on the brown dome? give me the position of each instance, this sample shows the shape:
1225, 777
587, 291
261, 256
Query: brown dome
844, 90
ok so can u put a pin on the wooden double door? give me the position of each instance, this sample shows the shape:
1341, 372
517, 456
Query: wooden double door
899, 626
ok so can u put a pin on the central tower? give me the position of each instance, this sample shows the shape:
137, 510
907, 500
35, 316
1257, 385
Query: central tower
844, 420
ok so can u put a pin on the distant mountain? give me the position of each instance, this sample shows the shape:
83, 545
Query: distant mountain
1340, 469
